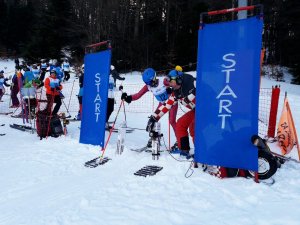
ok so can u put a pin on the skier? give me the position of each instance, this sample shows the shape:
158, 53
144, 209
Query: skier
53, 88
28, 76
80, 94
3, 83
55, 66
43, 72
184, 91
36, 71
15, 89
114, 75
159, 90
66, 69
17, 62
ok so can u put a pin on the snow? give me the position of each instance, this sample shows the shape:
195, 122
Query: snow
45, 182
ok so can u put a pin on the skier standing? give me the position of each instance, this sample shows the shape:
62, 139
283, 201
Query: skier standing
43, 71
53, 88
36, 71
66, 69
3, 83
114, 75
80, 94
15, 89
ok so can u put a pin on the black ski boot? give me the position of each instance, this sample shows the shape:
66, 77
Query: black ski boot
149, 144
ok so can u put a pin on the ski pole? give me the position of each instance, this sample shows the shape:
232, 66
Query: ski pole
110, 132
16, 110
52, 101
66, 108
124, 113
71, 95
124, 105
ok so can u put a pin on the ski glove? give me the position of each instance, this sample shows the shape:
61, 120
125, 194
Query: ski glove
151, 123
126, 98
123, 96
169, 90
120, 87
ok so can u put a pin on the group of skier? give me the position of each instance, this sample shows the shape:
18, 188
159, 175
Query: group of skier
176, 87
31, 77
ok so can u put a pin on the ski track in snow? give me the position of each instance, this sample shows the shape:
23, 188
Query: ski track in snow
45, 183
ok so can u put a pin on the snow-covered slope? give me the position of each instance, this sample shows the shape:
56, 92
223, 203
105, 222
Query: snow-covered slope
45, 183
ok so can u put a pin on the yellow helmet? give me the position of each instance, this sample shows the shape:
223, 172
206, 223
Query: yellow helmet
178, 68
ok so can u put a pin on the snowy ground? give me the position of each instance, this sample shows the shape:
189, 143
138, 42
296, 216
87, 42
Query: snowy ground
45, 182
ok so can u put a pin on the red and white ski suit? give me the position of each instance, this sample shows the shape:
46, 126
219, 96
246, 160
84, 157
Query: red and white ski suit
186, 95
146, 88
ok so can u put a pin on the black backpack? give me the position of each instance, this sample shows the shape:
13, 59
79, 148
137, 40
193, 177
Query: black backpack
45, 129
56, 127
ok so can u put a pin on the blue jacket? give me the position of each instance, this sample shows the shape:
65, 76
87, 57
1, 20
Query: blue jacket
28, 76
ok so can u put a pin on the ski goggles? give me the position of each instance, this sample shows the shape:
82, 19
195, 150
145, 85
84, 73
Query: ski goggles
153, 82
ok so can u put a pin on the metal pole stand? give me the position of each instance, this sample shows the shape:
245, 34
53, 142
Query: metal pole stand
155, 135
121, 138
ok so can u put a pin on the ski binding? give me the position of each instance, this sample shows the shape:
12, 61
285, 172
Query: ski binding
148, 171
96, 162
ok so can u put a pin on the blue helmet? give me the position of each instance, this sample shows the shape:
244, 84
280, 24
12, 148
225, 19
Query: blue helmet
174, 73
148, 76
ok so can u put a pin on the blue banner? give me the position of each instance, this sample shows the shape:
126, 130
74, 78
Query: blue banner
228, 76
94, 104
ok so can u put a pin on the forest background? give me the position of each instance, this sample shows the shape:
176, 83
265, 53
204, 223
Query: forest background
143, 33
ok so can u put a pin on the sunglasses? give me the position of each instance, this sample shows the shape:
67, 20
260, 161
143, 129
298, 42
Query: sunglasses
171, 78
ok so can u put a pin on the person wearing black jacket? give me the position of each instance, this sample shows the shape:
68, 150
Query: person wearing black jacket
80, 94
184, 91
115, 75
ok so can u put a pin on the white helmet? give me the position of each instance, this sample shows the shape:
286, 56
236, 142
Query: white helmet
82, 67
112, 67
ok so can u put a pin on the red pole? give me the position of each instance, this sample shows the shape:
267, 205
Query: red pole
111, 130
169, 132
97, 45
273, 111
223, 11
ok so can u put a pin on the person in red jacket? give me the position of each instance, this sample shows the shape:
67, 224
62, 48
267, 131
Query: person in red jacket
53, 88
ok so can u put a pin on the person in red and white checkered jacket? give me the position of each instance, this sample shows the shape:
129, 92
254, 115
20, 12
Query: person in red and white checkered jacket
184, 91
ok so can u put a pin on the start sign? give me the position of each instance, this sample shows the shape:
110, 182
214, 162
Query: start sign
228, 73
94, 104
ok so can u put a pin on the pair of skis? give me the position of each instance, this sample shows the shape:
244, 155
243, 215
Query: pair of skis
22, 127
143, 172
5, 113
115, 130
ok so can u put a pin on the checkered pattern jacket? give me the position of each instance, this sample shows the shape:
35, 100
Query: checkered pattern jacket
186, 95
